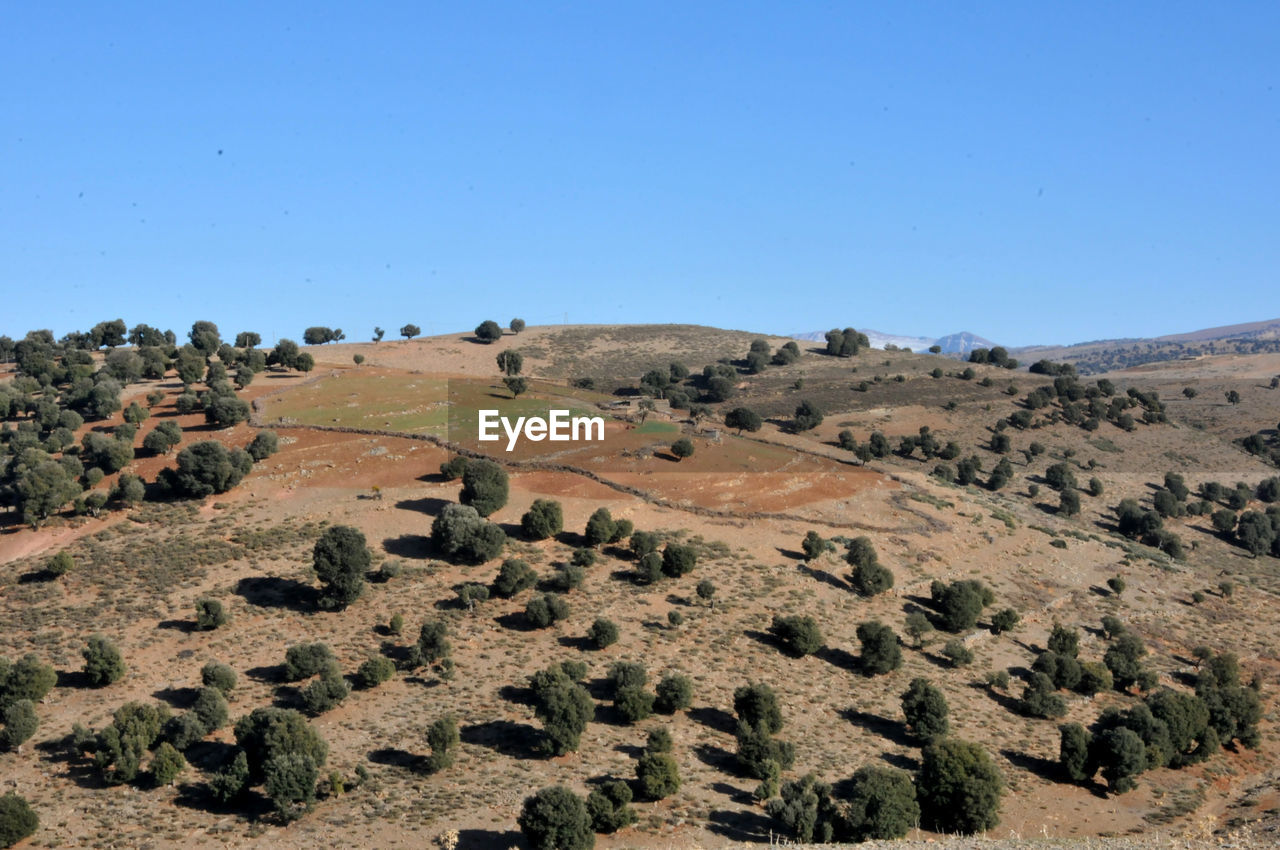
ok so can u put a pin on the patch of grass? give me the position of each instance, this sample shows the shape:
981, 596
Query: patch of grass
1103, 444
1004, 516
930, 499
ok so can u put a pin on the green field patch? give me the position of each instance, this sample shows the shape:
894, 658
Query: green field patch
653, 426
408, 403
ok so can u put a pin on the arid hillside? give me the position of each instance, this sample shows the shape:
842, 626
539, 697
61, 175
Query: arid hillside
951, 472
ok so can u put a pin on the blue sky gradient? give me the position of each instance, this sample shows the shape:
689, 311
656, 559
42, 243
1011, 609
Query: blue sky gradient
1032, 172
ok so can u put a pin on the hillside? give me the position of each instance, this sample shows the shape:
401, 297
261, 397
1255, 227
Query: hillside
363, 444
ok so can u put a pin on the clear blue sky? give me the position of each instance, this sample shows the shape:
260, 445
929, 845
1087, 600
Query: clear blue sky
1033, 172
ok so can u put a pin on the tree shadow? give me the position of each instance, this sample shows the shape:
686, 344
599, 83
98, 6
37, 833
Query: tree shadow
210, 755
900, 761
765, 639
629, 750
72, 679
484, 839
740, 826
582, 644
1005, 701
516, 621
416, 546
667, 456
184, 626
39, 576
177, 697
892, 730
572, 539
517, 694
1041, 767
515, 740
429, 505
842, 659
715, 719
736, 795
277, 592
824, 576
270, 674
396, 757
717, 758
790, 553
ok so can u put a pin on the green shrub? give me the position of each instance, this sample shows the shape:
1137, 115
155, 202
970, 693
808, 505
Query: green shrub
881, 804
658, 775
545, 609
166, 764
674, 693
956, 652
603, 633
375, 671
220, 676
210, 614
556, 819
609, 807
20, 723
304, 660
103, 663
678, 559
880, 650
798, 635
60, 564
544, 519
514, 576
959, 787
925, 709
17, 820
443, 738
484, 486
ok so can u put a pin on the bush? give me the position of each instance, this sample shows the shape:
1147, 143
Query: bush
166, 764
959, 787
443, 738
633, 702
220, 676
1004, 620
960, 603
263, 446
799, 636
674, 693
340, 559
603, 633
600, 528
291, 784
103, 663
268, 733
556, 819
544, 519
304, 660
29, 679
325, 692
206, 468
568, 577
870, 579
514, 576
682, 448
880, 650
759, 755
375, 671
20, 723
210, 614
17, 820
658, 775
564, 707
583, 558
461, 534
60, 564
452, 469
678, 559
649, 568
706, 590
1073, 752
957, 653
1039, 699
210, 708
881, 804
926, 710
756, 704
230, 782
609, 807
543, 610
484, 486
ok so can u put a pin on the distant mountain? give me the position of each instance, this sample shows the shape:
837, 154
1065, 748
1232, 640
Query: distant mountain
957, 343
1104, 355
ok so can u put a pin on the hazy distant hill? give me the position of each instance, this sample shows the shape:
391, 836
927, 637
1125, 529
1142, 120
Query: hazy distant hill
1109, 354
957, 343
